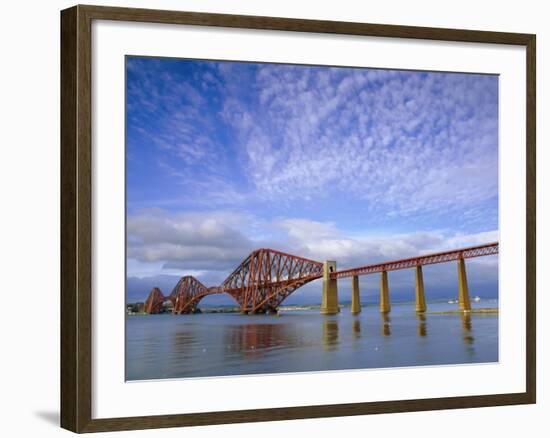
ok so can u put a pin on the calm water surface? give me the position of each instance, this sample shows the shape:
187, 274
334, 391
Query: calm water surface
217, 344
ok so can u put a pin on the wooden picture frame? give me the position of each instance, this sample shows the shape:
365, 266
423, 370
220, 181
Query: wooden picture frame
76, 217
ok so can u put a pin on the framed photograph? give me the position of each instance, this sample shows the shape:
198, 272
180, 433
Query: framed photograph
270, 218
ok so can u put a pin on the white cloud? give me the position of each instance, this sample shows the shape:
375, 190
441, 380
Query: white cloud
200, 241
323, 241
399, 141
213, 241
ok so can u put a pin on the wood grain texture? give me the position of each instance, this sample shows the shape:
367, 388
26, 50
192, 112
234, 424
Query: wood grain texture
531, 213
69, 329
76, 221
301, 25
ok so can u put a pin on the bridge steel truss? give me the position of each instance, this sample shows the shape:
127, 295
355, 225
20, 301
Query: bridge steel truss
258, 285
428, 259
187, 293
266, 277
155, 301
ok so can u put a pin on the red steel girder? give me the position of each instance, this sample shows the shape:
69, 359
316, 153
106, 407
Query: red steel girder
427, 259
259, 284
187, 293
266, 277
154, 302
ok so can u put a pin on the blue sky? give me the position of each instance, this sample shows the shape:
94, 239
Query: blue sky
348, 164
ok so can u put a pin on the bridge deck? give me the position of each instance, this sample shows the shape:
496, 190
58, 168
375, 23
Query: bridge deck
427, 259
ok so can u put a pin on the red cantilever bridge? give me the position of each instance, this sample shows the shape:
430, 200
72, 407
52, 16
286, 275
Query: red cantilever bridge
259, 284
267, 277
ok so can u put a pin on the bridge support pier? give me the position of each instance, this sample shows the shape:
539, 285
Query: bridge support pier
355, 299
463, 292
385, 305
419, 291
329, 303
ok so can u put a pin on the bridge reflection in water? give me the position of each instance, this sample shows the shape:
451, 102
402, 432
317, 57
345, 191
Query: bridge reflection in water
356, 327
421, 326
333, 327
330, 334
386, 324
164, 346
253, 340
467, 333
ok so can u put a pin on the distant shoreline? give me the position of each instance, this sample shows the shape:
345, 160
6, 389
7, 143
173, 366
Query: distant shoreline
482, 310
490, 310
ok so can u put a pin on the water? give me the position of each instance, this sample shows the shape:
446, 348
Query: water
219, 344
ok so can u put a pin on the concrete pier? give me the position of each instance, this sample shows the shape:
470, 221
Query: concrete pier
329, 304
419, 290
463, 293
384, 293
355, 299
